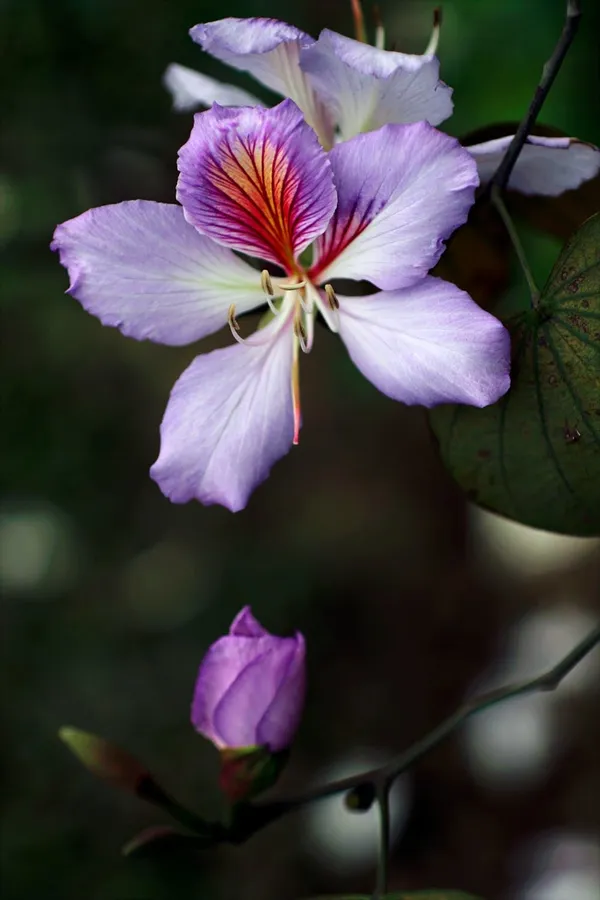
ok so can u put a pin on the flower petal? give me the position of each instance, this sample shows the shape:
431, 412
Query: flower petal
269, 50
256, 180
140, 267
427, 344
402, 190
364, 88
191, 89
248, 699
280, 721
222, 664
229, 418
245, 625
545, 165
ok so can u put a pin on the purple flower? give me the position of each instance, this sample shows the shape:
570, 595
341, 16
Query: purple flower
250, 688
346, 87
547, 166
256, 181
338, 83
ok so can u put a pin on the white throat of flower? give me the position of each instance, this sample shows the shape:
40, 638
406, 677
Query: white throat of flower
301, 302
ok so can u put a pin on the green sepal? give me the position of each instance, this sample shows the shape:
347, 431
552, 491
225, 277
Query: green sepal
248, 771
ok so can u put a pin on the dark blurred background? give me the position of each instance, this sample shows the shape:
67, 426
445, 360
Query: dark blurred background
408, 598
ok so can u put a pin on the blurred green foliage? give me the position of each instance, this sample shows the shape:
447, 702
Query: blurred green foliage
110, 593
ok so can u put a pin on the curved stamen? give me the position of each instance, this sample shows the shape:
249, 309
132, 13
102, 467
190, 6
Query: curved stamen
266, 283
334, 303
300, 332
435, 34
379, 29
234, 325
267, 286
305, 301
359, 22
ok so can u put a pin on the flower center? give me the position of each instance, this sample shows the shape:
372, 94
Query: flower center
302, 308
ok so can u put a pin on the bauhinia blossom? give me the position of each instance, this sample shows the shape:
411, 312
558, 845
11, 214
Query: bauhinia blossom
340, 84
346, 87
376, 208
250, 687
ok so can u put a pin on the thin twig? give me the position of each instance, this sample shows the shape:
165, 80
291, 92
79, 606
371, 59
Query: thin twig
549, 73
548, 681
496, 198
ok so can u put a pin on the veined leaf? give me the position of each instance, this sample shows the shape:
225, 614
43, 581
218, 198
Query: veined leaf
535, 455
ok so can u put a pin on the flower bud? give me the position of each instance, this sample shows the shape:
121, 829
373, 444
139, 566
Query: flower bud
104, 759
250, 688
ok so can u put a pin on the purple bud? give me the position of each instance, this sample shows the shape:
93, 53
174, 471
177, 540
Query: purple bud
250, 687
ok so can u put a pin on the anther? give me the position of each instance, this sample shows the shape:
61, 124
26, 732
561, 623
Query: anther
300, 332
266, 283
331, 297
233, 323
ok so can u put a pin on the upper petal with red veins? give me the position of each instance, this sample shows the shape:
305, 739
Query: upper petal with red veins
402, 190
191, 89
228, 419
269, 50
256, 180
364, 88
427, 344
544, 166
140, 267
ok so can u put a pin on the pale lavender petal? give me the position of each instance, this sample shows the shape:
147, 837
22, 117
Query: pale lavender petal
190, 89
140, 267
402, 191
427, 344
269, 50
228, 420
547, 166
256, 180
364, 88
222, 664
280, 722
248, 699
245, 625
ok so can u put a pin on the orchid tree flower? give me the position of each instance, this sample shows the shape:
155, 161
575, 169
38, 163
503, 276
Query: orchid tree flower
546, 165
343, 86
257, 182
346, 87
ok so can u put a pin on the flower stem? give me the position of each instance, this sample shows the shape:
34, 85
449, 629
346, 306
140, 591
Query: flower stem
498, 202
252, 817
262, 814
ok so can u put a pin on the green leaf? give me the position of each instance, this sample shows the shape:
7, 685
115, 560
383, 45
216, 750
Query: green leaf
535, 455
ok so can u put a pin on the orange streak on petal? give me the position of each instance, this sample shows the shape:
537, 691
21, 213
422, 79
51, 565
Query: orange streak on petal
257, 178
